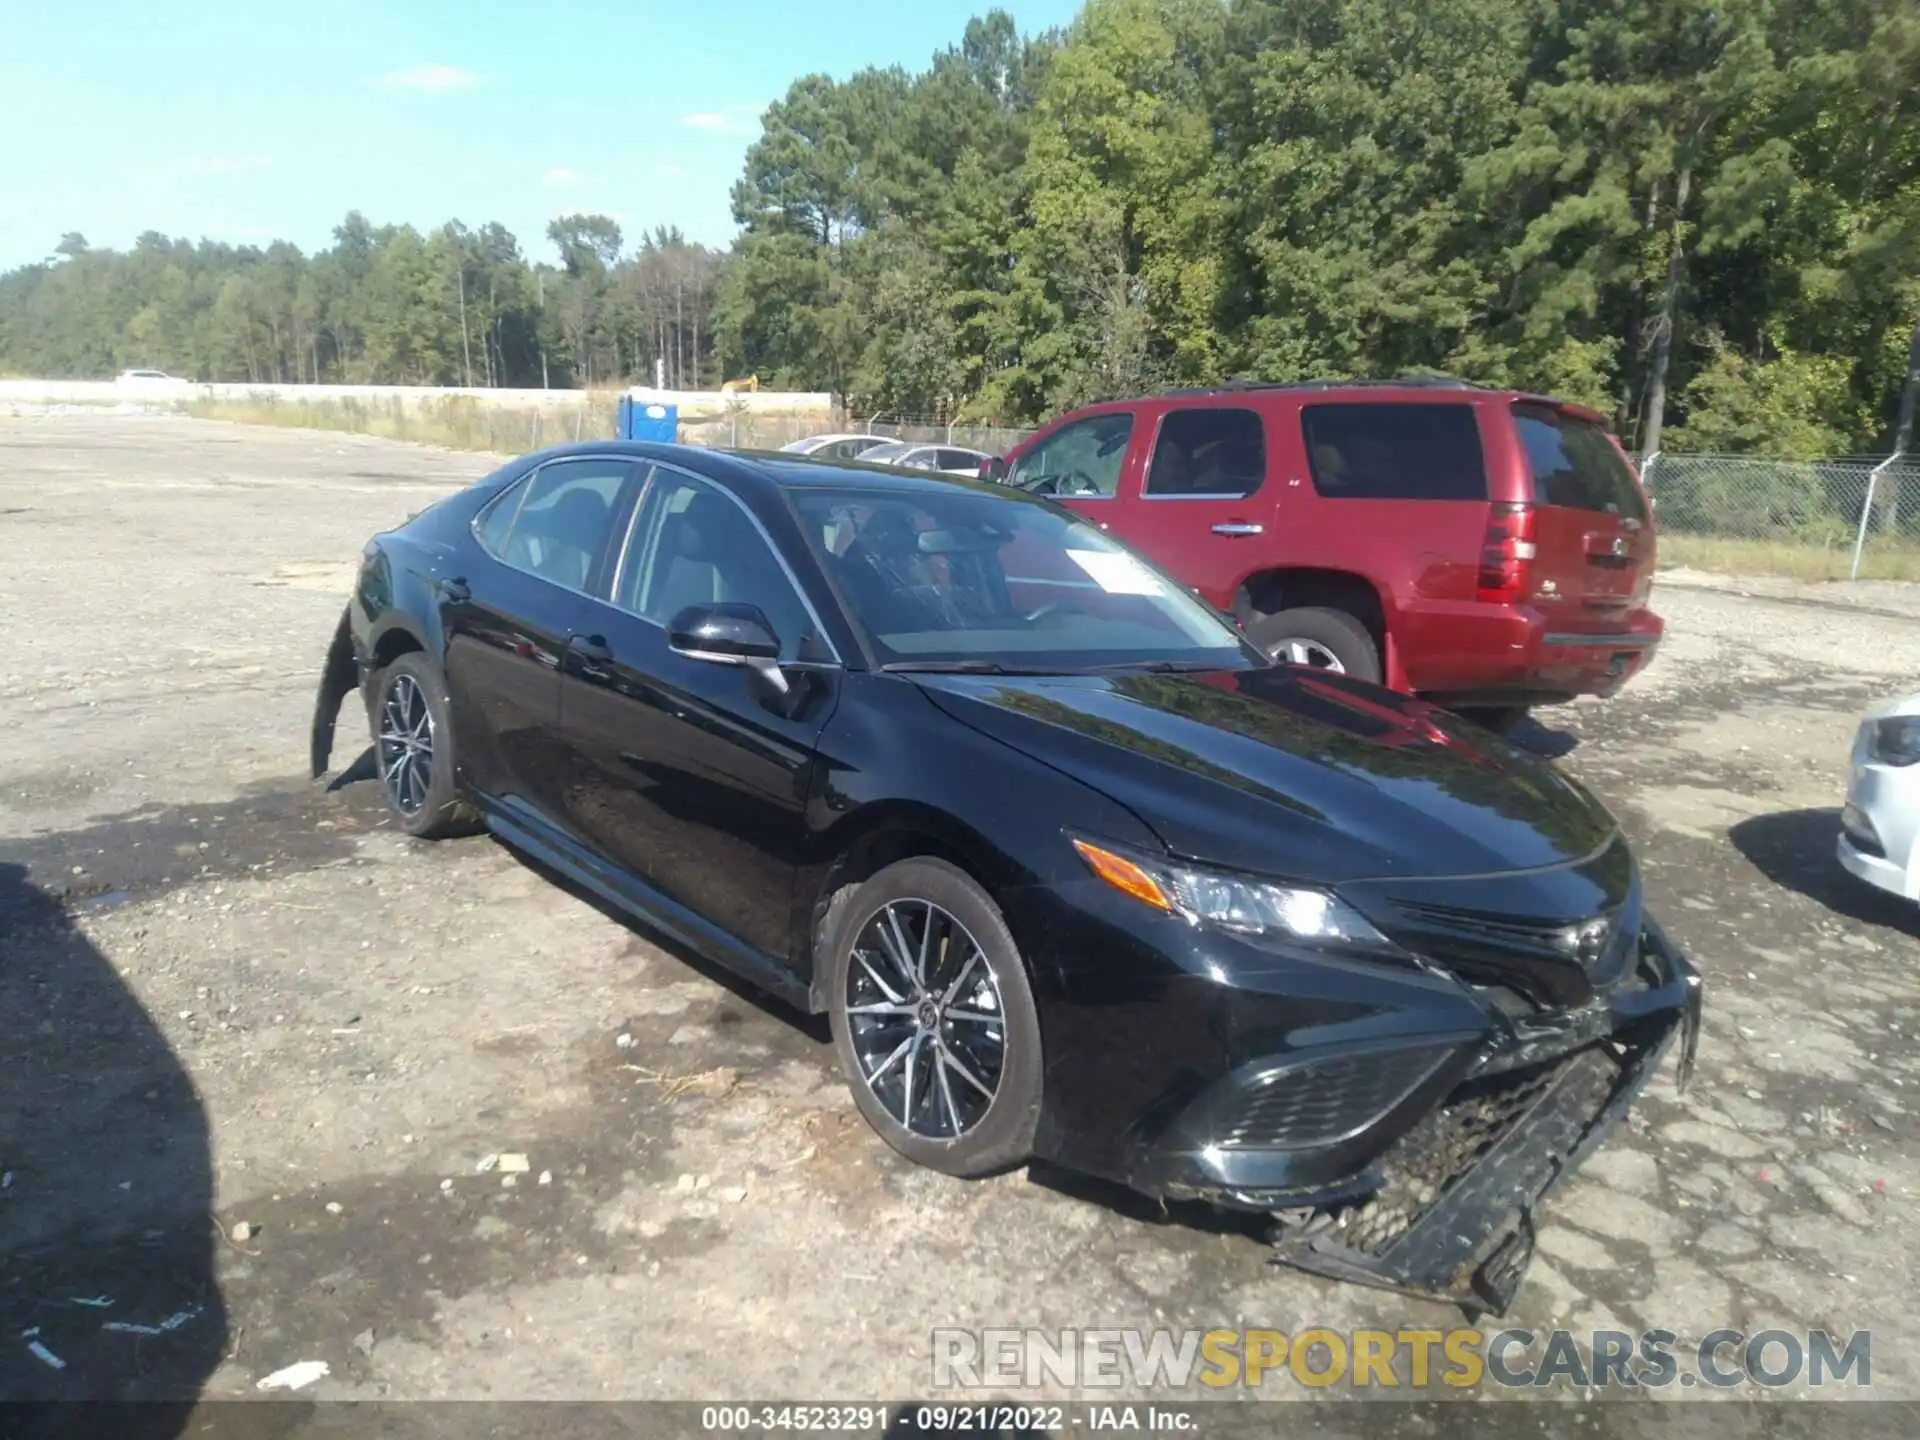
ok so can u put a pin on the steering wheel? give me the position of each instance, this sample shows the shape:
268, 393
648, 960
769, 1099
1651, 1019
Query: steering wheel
1068, 482
1054, 607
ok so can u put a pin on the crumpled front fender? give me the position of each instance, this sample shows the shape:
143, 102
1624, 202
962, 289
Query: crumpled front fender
339, 677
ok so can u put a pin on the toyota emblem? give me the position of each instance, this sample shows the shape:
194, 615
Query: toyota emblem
1587, 942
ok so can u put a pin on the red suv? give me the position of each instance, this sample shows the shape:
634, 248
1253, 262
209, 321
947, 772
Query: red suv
1489, 549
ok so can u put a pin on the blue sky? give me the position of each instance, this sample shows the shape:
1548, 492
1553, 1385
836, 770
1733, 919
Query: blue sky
250, 120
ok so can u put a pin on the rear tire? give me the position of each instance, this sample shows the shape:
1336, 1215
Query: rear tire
413, 750
1321, 639
939, 1024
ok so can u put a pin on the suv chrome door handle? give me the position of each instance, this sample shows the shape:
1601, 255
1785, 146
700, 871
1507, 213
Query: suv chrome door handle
1238, 528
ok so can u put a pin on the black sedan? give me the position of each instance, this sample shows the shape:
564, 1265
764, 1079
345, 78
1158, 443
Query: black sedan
1075, 873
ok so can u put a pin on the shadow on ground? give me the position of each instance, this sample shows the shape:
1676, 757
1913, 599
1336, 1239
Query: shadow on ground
813, 1027
1795, 848
1546, 741
107, 1287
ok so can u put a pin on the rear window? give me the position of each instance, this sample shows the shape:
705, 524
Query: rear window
1394, 452
1575, 465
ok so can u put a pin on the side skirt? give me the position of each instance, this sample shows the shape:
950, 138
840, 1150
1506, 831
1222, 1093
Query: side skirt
641, 901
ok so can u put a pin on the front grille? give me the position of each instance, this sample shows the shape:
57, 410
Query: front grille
1540, 958
1434, 1156
1318, 1104
1533, 935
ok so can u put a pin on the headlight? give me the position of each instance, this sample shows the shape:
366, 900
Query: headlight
1896, 741
1240, 904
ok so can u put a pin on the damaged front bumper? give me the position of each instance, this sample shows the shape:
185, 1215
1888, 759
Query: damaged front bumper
339, 678
1447, 1211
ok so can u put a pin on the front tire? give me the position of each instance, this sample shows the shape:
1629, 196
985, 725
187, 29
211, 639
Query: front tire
413, 748
934, 1020
1319, 638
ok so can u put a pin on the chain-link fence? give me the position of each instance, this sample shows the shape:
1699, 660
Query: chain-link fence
994, 439
741, 428
1860, 517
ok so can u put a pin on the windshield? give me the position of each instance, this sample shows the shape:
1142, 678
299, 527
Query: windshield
978, 580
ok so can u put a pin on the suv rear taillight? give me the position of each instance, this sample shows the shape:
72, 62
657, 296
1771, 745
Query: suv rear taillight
1506, 555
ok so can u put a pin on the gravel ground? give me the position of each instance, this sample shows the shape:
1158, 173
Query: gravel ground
266, 1045
1894, 598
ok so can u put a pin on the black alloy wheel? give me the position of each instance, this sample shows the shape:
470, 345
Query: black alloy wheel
413, 750
934, 1020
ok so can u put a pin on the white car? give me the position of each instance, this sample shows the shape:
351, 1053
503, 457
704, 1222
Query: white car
151, 381
835, 447
1880, 826
949, 459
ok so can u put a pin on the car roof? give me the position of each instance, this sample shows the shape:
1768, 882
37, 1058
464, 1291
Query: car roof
1403, 387
767, 471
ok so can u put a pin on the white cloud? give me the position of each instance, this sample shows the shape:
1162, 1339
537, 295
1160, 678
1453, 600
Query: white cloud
734, 120
667, 170
431, 78
561, 177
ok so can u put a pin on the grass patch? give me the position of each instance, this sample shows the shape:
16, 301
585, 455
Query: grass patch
457, 422
1885, 559
461, 422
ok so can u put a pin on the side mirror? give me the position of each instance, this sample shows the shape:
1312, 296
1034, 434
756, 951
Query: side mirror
729, 634
994, 468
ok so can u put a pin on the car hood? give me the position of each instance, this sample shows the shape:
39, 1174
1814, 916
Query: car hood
1291, 773
1905, 705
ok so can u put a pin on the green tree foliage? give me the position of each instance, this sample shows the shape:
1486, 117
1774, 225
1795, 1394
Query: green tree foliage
1700, 216
382, 305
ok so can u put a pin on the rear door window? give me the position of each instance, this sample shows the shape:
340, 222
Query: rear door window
1575, 465
1211, 454
556, 523
1394, 452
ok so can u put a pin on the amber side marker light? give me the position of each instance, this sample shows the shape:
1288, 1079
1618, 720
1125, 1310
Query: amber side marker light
1125, 876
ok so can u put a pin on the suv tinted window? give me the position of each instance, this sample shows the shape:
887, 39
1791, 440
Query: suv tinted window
1574, 464
1394, 452
1208, 452
1082, 459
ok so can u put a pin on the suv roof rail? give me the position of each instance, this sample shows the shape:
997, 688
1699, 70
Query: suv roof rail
1419, 380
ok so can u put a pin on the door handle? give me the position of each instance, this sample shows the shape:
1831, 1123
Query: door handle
590, 648
454, 590
1238, 528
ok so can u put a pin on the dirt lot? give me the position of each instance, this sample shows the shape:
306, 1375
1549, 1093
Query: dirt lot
238, 998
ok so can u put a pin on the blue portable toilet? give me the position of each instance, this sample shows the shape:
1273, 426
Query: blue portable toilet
648, 420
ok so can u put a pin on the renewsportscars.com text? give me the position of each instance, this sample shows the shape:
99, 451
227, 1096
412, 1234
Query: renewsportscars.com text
1145, 1360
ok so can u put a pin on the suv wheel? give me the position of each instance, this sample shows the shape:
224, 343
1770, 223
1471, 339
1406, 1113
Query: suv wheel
1320, 639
